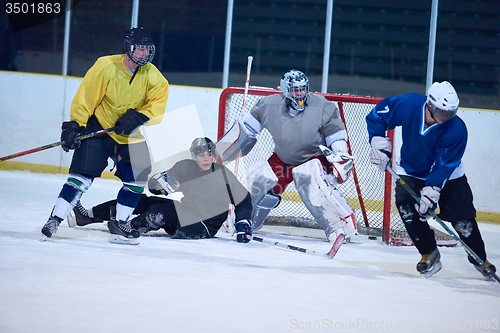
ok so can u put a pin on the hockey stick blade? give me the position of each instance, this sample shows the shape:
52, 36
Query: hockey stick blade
55, 144
328, 255
336, 246
468, 250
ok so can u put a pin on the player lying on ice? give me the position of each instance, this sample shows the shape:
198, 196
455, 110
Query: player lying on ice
299, 123
434, 141
208, 189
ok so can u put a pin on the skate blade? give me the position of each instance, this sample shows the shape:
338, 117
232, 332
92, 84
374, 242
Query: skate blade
118, 239
437, 267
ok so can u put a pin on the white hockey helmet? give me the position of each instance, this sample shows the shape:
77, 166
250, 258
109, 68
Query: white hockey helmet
295, 87
442, 100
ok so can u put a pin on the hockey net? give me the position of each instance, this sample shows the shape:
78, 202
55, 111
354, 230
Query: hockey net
369, 192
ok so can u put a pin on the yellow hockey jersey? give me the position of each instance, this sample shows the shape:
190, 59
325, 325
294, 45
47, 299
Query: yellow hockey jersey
106, 91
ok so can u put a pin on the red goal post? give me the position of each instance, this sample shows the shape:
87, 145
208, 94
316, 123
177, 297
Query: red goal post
369, 192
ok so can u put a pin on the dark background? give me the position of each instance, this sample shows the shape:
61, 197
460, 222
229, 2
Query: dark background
379, 48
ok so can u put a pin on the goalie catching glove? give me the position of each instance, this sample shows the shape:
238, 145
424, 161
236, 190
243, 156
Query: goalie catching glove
243, 231
342, 163
163, 183
429, 197
381, 152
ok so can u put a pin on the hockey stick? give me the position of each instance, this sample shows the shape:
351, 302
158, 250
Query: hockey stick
243, 108
236, 171
56, 144
329, 255
445, 227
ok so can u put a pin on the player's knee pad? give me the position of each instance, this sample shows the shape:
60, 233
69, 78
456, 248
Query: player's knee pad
325, 203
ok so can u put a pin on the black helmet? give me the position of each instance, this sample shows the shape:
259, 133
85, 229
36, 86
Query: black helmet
135, 38
202, 145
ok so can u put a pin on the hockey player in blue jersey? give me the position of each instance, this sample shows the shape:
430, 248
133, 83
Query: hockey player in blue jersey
434, 141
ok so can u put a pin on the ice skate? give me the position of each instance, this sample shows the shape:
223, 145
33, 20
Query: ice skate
430, 264
50, 228
489, 267
79, 217
122, 233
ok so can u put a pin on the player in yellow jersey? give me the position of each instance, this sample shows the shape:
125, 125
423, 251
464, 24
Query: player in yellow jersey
126, 91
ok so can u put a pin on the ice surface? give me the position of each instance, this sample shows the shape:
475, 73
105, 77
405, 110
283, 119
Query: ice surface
80, 282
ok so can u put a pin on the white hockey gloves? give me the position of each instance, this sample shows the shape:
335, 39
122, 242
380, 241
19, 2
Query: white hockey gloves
342, 163
429, 197
243, 231
381, 152
162, 183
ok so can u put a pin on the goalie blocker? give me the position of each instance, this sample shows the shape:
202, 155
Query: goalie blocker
239, 139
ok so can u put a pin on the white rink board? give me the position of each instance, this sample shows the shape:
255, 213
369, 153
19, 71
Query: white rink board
33, 107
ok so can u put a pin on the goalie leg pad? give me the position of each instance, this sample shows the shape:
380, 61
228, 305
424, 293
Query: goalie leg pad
262, 209
324, 202
261, 179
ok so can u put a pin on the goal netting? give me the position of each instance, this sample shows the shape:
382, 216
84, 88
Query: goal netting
369, 192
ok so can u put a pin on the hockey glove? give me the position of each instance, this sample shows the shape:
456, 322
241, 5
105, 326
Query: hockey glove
342, 164
243, 231
70, 130
163, 183
429, 197
381, 152
129, 121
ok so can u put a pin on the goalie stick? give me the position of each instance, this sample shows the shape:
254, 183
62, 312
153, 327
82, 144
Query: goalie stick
237, 173
333, 251
56, 144
468, 250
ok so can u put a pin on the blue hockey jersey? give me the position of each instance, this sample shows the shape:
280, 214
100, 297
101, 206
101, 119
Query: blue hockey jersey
427, 152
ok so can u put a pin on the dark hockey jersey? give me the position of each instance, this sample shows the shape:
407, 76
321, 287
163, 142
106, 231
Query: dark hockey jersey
208, 193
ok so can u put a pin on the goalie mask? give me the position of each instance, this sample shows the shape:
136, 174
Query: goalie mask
295, 87
139, 46
202, 145
442, 101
